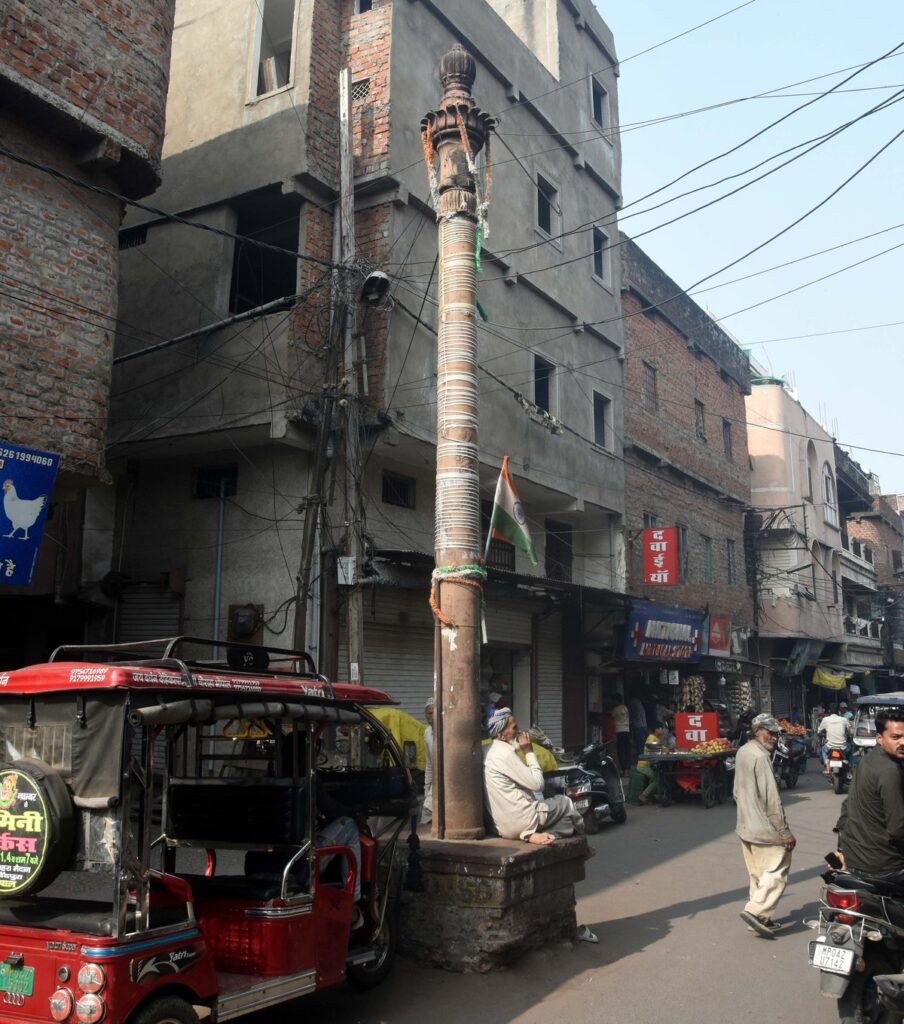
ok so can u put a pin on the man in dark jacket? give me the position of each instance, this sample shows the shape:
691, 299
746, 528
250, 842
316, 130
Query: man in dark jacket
871, 827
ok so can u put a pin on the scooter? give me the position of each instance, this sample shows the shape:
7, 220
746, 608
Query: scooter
859, 948
839, 767
593, 783
789, 759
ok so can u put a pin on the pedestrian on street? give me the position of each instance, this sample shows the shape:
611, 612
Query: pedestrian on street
638, 725
766, 839
427, 809
621, 721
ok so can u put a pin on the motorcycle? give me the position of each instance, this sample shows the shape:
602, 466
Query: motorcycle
859, 948
789, 759
593, 783
839, 766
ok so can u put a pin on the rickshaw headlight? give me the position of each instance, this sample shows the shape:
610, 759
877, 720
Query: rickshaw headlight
61, 1003
91, 978
90, 1009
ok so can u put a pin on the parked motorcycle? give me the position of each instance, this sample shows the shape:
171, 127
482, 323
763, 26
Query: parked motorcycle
839, 766
789, 759
593, 783
859, 948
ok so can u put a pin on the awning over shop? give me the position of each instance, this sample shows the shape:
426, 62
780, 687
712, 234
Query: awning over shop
830, 680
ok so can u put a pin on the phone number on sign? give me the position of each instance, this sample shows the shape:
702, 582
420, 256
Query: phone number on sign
40, 460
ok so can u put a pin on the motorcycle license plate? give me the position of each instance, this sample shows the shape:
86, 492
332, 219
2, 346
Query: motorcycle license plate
834, 959
18, 980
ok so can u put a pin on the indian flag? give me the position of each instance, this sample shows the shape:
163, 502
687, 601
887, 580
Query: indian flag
507, 521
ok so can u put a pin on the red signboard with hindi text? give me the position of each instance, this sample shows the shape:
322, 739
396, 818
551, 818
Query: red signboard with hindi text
692, 728
660, 555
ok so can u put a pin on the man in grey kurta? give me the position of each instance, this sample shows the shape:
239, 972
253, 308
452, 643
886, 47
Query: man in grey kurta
766, 839
515, 788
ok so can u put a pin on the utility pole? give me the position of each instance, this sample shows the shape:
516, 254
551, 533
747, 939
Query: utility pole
354, 604
456, 132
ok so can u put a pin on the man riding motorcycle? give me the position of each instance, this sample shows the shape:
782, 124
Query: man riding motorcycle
871, 826
838, 732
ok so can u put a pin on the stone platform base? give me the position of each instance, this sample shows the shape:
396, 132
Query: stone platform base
487, 903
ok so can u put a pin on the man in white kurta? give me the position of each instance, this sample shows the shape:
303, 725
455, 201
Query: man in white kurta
513, 786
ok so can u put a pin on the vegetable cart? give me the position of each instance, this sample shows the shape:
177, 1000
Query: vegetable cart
683, 772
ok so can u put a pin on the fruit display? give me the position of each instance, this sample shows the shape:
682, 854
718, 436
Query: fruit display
791, 730
740, 695
718, 746
693, 690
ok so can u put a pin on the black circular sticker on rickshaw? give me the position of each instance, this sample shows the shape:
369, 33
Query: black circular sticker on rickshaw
23, 831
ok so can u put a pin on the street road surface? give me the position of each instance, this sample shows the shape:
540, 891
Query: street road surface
663, 895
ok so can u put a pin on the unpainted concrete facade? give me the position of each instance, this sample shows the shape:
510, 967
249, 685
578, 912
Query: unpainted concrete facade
262, 163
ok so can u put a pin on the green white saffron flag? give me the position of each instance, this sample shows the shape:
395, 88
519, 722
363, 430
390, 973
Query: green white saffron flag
507, 521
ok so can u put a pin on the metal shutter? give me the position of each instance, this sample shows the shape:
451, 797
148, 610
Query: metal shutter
549, 677
148, 611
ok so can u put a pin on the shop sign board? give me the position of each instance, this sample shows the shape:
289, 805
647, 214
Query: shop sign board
660, 556
692, 728
719, 635
28, 476
656, 632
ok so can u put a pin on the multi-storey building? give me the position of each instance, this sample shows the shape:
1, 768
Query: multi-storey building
215, 437
797, 548
687, 469
82, 97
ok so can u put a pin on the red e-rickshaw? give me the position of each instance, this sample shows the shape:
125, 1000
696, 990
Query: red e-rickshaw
164, 851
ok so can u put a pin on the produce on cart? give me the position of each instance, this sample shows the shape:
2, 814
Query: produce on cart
702, 764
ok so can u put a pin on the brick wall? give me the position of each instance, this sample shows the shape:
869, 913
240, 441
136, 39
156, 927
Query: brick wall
880, 530
367, 39
58, 255
670, 491
109, 61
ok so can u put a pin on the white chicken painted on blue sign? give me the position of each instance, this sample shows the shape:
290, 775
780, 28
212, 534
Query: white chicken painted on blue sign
21, 512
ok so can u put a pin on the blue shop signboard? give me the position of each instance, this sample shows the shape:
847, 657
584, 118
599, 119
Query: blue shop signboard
28, 476
657, 632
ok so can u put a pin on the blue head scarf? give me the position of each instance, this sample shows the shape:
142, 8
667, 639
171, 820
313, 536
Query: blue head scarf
497, 721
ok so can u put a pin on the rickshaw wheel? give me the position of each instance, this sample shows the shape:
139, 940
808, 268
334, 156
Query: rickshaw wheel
365, 976
169, 1010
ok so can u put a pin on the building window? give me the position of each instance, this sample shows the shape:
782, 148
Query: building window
398, 490
559, 550
830, 506
602, 419
834, 587
726, 440
364, 6
276, 30
501, 554
600, 103
682, 552
132, 237
544, 373
261, 275
547, 206
601, 262
707, 559
360, 90
895, 559
650, 522
731, 561
811, 471
699, 419
215, 481
649, 393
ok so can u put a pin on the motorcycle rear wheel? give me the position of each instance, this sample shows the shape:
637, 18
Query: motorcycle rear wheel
837, 782
619, 814
791, 780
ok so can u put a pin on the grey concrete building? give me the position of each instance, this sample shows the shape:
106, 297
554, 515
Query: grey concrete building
212, 438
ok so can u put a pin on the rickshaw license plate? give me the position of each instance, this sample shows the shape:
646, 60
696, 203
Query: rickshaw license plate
831, 958
18, 980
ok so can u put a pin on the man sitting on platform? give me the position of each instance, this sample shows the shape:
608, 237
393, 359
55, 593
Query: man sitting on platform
514, 788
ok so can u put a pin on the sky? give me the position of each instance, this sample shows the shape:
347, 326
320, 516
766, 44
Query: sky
849, 380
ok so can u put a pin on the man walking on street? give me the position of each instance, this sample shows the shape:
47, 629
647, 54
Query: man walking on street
766, 839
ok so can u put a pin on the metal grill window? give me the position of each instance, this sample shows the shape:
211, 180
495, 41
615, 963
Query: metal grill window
361, 90
49, 743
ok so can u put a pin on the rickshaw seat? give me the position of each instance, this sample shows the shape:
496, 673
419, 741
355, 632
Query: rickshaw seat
89, 916
240, 887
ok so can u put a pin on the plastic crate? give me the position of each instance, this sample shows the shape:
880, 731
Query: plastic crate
637, 783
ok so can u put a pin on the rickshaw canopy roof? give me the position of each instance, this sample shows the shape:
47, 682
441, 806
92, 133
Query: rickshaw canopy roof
892, 700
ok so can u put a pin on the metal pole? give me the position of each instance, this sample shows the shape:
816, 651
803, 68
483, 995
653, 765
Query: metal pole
355, 597
218, 572
457, 132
